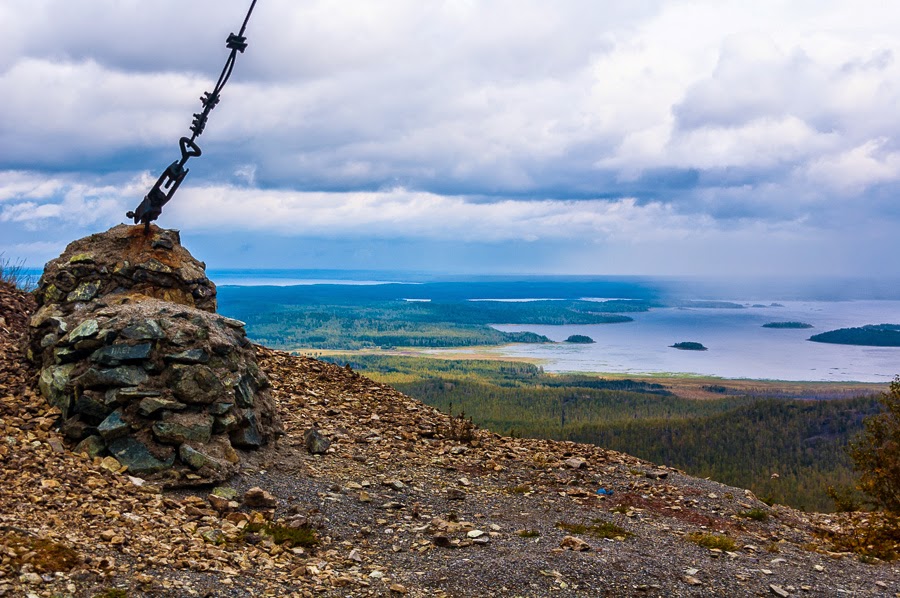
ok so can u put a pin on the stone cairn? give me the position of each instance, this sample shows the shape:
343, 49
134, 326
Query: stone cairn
131, 351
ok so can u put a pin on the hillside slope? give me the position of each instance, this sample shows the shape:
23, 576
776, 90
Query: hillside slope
399, 507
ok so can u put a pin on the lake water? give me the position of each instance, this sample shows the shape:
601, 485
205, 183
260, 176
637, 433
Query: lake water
738, 346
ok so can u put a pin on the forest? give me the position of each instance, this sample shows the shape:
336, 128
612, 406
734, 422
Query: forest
873, 335
363, 317
738, 439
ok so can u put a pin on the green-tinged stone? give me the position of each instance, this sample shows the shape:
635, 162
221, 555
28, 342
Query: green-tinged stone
225, 492
93, 405
214, 536
49, 340
316, 444
113, 426
138, 457
177, 428
196, 384
225, 423
144, 331
92, 446
82, 258
154, 265
191, 356
126, 375
52, 384
87, 329
150, 405
245, 391
248, 436
197, 459
124, 396
52, 294
113, 355
220, 408
84, 292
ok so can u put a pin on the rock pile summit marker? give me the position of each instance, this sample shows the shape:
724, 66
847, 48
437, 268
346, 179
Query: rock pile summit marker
142, 368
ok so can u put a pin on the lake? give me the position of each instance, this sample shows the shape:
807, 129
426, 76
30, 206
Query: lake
738, 346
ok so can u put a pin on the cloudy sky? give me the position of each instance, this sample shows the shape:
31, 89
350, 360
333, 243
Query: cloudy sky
503, 136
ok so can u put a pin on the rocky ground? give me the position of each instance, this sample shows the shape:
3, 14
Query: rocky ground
390, 497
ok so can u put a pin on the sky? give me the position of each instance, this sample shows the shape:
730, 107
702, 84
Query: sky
710, 138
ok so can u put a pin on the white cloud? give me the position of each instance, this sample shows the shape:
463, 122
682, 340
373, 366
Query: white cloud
457, 119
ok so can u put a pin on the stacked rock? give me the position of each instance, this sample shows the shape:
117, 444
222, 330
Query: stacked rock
140, 366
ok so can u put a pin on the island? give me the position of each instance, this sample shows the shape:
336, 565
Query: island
689, 346
787, 325
872, 335
580, 339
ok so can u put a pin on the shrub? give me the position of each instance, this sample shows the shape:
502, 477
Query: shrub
755, 514
876, 452
713, 541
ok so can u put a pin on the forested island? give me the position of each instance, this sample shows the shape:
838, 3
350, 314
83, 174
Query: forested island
872, 335
787, 325
580, 339
689, 346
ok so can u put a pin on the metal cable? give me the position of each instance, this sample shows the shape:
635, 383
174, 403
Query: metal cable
168, 182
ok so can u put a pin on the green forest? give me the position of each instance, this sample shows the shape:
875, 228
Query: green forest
359, 319
739, 440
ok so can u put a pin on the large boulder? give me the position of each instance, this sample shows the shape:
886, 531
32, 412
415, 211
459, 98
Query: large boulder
141, 367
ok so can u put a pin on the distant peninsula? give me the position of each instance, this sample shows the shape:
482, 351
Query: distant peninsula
689, 346
872, 335
787, 325
580, 339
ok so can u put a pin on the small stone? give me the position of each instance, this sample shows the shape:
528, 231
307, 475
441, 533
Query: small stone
137, 456
779, 591
364, 496
146, 330
225, 492
92, 446
197, 459
692, 581
178, 428
114, 426
126, 375
464, 482
150, 405
218, 503
113, 355
573, 543
657, 474
355, 556
257, 498
315, 442
84, 292
398, 588
440, 540
395, 484
455, 494
87, 329
819, 568
691, 571
576, 463
475, 533
191, 356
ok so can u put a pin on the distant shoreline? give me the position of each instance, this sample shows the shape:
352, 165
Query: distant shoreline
473, 355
